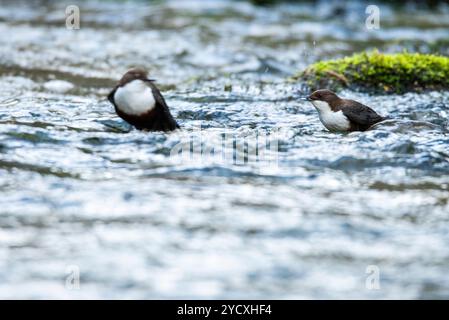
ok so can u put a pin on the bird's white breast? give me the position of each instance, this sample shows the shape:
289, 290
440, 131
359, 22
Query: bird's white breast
134, 98
333, 121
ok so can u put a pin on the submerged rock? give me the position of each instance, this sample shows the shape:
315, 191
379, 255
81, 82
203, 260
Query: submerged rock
378, 72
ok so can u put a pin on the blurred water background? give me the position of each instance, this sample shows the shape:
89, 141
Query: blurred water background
81, 190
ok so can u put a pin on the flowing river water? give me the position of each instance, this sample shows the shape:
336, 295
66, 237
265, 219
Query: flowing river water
318, 216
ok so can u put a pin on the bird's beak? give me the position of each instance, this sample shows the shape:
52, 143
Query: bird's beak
305, 99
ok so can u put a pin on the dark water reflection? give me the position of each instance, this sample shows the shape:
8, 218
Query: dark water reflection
81, 188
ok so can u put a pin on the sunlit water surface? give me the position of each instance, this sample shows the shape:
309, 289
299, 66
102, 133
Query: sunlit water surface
81, 190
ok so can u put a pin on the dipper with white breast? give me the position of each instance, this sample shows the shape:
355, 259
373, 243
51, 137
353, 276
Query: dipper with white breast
139, 102
338, 114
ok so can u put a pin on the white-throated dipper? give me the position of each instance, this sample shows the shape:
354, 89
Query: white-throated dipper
338, 114
139, 102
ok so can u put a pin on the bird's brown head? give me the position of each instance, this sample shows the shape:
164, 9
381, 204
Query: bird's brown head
133, 74
323, 95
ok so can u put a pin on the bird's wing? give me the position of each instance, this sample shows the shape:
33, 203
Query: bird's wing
162, 106
111, 95
361, 114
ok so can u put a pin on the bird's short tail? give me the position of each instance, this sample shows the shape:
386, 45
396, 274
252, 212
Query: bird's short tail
385, 118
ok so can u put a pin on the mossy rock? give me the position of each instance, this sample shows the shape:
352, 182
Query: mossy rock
378, 72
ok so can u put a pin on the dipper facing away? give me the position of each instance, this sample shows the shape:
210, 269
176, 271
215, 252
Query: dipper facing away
139, 102
338, 114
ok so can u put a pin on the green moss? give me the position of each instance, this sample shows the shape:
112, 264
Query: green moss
374, 71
